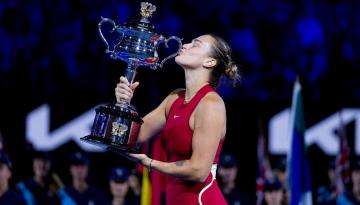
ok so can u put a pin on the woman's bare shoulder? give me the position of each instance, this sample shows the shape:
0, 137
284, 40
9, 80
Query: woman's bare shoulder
213, 97
175, 94
170, 99
212, 100
179, 91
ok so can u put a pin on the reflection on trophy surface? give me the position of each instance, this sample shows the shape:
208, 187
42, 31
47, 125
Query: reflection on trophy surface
116, 125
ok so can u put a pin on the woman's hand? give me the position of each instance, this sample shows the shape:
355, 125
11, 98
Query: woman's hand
142, 159
124, 90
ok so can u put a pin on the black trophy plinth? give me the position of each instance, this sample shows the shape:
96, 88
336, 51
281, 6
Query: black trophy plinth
115, 128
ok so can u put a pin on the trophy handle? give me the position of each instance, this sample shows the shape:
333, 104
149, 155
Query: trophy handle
164, 40
104, 20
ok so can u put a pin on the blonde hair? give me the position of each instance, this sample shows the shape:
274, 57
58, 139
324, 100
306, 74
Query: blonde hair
225, 65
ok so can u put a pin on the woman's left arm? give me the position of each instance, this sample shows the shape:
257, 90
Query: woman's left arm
209, 126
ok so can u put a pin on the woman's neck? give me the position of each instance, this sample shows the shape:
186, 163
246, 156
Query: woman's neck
194, 80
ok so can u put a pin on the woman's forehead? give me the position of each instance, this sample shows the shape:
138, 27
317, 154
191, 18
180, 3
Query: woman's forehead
204, 39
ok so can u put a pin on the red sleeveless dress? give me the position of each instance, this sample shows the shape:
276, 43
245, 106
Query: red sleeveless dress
176, 139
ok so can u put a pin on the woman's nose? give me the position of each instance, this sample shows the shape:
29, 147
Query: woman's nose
185, 46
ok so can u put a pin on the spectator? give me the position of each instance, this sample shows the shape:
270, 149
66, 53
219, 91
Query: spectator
119, 187
80, 191
352, 197
326, 195
274, 192
7, 195
280, 172
135, 185
227, 172
37, 190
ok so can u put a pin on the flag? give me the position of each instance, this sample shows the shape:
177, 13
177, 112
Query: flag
145, 188
298, 164
158, 180
145, 198
342, 164
153, 184
264, 168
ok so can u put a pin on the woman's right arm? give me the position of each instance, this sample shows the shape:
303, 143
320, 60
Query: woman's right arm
155, 121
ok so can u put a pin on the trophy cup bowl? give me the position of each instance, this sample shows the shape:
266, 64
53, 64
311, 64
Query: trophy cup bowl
116, 125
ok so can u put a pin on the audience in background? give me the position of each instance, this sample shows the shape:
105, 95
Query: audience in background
352, 196
120, 188
227, 173
275, 44
274, 193
326, 194
80, 191
280, 172
7, 194
36, 190
135, 185
125, 186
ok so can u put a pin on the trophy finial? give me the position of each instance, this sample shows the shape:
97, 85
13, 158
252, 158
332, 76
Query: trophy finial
147, 9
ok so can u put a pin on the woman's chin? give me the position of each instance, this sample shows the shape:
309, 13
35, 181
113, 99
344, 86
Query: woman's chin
181, 61
178, 60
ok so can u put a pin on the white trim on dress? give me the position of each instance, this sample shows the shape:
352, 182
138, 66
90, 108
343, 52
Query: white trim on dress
213, 173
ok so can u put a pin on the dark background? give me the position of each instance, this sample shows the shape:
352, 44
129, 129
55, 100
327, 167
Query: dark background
50, 52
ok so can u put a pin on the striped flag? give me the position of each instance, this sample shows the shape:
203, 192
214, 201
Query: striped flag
342, 166
298, 164
264, 168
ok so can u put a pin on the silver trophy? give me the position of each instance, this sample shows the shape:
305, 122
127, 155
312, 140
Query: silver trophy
116, 125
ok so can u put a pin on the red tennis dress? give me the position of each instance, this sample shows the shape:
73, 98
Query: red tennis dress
176, 139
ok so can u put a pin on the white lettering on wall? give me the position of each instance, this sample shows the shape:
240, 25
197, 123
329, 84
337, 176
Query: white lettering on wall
38, 130
323, 133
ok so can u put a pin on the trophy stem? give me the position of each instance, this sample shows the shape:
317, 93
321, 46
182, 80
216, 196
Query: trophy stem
130, 71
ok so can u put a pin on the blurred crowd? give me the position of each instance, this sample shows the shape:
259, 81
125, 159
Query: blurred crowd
51, 53
46, 187
124, 186
274, 190
274, 41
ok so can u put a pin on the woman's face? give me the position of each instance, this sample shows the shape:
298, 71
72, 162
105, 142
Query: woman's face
196, 53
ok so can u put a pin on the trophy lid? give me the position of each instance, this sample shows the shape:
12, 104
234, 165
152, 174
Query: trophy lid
143, 23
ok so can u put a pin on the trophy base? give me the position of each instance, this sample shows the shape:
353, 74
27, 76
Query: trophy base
109, 146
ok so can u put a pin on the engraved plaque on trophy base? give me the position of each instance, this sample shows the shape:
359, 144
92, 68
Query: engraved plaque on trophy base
115, 128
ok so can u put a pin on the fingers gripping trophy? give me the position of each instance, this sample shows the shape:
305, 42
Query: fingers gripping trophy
116, 125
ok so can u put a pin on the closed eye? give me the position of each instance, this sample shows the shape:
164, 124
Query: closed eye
196, 43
